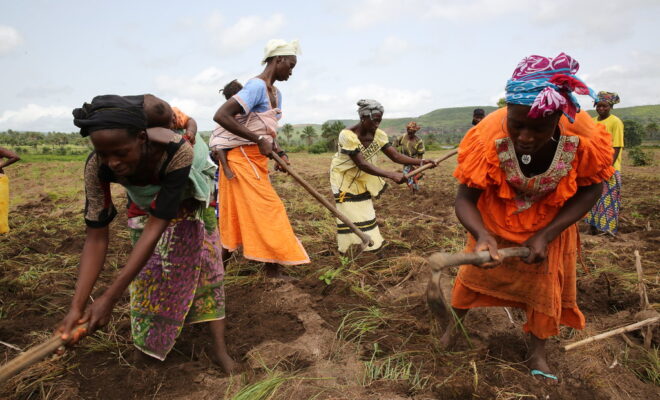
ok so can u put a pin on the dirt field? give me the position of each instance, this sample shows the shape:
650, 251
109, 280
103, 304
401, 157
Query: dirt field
367, 334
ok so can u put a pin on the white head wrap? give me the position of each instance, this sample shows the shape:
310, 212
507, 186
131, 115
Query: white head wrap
367, 107
279, 47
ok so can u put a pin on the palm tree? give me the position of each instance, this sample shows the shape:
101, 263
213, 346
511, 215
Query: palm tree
287, 130
330, 132
308, 133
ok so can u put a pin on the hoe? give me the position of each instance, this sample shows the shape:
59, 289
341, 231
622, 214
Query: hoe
439, 283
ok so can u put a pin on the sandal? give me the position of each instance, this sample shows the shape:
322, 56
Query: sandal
536, 372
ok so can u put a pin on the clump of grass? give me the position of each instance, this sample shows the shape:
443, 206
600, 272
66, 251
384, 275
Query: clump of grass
645, 364
359, 322
264, 389
396, 367
43, 381
331, 273
364, 290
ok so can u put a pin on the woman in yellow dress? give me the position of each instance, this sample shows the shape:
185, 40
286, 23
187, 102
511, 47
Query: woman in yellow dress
355, 179
604, 216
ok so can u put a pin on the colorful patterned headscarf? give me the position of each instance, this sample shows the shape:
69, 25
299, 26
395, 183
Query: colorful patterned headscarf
412, 125
610, 98
547, 84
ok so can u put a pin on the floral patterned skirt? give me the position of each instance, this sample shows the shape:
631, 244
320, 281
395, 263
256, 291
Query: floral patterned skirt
605, 213
181, 282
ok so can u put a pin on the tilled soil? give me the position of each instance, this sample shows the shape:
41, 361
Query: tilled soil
300, 330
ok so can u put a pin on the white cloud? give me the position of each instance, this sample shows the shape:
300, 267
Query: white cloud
590, 23
245, 32
9, 39
390, 49
38, 118
195, 95
397, 102
320, 107
366, 13
202, 86
595, 20
636, 79
41, 91
471, 10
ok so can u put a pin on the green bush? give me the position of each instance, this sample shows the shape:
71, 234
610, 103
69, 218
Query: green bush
633, 132
294, 149
639, 157
317, 148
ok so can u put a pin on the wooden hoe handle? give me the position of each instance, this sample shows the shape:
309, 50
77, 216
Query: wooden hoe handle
33, 355
366, 240
439, 261
427, 166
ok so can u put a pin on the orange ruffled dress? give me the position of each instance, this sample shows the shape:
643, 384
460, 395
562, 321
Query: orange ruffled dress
514, 207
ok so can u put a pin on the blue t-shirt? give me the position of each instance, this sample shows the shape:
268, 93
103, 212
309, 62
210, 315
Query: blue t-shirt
254, 97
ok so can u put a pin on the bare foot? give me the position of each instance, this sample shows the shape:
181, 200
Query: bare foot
141, 359
537, 361
448, 339
274, 271
224, 361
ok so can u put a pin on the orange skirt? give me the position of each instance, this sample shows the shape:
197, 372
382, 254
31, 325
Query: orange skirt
546, 291
252, 215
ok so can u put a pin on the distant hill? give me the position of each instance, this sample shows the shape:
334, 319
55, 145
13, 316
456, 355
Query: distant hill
442, 120
452, 123
449, 120
641, 114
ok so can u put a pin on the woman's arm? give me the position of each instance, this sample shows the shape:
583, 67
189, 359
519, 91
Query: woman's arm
98, 313
9, 158
91, 264
225, 118
399, 158
572, 211
617, 150
191, 130
469, 215
369, 168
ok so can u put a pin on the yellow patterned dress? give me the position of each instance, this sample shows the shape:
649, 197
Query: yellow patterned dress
354, 189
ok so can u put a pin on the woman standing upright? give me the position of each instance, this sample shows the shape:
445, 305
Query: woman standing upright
174, 271
528, 172
604, 216
355, 179
411, 145
251, 213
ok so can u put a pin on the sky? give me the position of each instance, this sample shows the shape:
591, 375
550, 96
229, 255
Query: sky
413, 56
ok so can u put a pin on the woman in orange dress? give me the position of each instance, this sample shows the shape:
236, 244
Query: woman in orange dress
528, 172
252, 215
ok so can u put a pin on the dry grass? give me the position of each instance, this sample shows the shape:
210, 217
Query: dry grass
379, 322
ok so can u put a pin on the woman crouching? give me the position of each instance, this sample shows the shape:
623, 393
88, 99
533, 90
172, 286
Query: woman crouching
527, 174
174, 270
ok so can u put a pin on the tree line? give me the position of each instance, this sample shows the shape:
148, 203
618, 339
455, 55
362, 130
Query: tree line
306, 139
